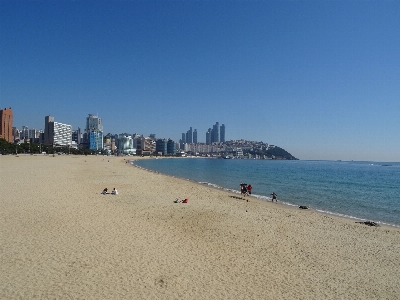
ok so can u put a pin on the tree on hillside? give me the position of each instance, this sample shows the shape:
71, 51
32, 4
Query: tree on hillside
273, 152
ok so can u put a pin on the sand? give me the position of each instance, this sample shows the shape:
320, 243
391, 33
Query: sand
61, 239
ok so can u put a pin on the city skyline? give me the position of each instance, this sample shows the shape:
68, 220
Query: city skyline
319, 79
94, 122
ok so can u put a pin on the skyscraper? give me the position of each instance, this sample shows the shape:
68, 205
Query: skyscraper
6, 120
209, 136
216, 134
94, 132
195, 136
189, 136
222, 133
93, 123
215, 137
48, 130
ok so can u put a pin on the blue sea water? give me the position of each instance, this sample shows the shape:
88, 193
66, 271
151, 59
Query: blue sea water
359, 190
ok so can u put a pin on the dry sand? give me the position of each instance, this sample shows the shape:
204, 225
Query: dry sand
61, 239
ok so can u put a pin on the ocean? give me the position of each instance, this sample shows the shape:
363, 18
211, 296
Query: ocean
363, 191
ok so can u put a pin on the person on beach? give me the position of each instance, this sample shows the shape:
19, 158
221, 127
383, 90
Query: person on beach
249, 188
114, 192
243, 189
104, 191
274, 197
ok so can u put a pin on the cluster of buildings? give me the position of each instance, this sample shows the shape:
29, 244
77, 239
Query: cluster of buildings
92, 137
216, 134
57, 134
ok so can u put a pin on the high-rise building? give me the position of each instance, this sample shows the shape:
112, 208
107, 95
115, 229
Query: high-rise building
6, 120
171, 149
94, 132
222, 133
24, 133
48, 137
32, 133
93, 123
77, 136
215, 137
209, 136
147, 144
15, 133
125, 144
189, 136
95, 140
216, 134
56, 134
195, 136
161, 146
62, 134
144, 145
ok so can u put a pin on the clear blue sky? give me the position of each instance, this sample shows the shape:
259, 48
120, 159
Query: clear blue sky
320, 79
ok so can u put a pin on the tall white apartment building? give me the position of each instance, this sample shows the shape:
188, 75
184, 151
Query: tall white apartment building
62, 134
57, 134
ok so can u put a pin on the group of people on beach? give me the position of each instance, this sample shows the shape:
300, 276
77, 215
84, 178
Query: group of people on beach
113, 192
245, 190
178, 200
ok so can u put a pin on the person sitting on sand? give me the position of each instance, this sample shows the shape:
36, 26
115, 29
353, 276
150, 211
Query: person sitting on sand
104, 191
114, 192
185, 201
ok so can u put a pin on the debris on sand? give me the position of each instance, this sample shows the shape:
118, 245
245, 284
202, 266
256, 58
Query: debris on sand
369, 223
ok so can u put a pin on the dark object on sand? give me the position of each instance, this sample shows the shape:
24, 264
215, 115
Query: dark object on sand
369, 223
303, 207
236, 197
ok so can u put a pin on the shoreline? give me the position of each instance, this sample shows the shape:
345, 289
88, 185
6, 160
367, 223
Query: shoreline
61, 238
266, 199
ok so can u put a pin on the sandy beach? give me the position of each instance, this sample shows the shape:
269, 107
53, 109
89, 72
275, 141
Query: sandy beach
61, 239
